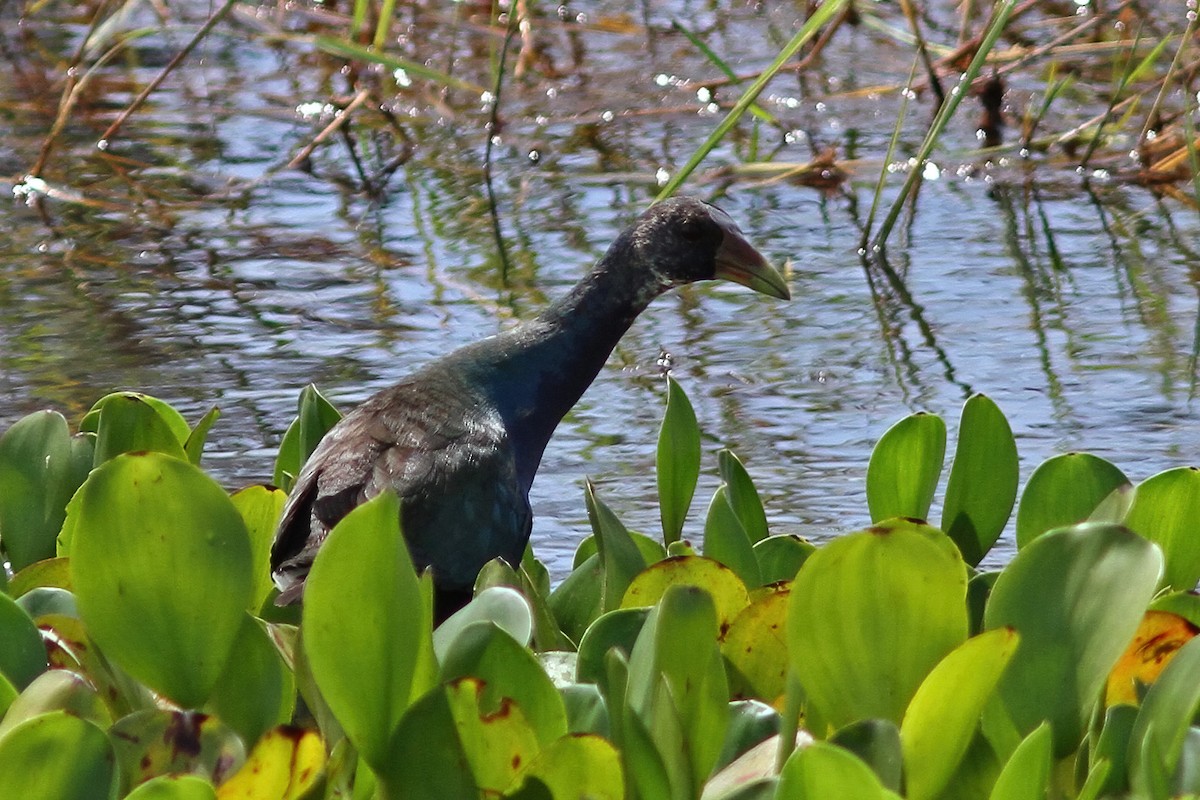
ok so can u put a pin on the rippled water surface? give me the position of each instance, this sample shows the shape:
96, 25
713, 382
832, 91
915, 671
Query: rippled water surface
188, 261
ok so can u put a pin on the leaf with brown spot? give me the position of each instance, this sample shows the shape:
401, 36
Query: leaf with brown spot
728, 592
577, 765
755, 649
285, 764
450, 745
1158, 638
154, 742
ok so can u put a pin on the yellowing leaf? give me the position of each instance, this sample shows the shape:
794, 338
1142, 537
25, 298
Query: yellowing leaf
1158, 637
728, 592
577, 765
755, 648
284, 765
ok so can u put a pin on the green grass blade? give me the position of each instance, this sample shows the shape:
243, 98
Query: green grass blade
385, 21
945, 113
340, 47
823, 15
720, 64
887, 159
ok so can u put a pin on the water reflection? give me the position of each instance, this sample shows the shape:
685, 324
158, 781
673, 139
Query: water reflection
198, 268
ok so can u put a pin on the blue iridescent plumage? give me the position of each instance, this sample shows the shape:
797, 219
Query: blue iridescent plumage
460, 439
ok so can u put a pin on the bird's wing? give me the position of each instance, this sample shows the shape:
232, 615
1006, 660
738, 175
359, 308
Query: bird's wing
415, 439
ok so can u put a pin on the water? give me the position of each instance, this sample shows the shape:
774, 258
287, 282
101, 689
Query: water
206, 273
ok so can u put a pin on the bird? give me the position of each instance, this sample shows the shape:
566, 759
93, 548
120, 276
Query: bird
460, 440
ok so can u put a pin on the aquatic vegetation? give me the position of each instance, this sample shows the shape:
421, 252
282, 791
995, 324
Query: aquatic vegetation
143, 656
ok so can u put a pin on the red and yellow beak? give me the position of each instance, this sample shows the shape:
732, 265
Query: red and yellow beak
738, 261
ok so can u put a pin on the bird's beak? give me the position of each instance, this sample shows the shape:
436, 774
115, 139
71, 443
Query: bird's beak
738, 261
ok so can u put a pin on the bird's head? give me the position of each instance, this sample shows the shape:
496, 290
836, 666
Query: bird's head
683, 240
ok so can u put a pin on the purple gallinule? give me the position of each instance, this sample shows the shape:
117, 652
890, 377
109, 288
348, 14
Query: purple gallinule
460, 440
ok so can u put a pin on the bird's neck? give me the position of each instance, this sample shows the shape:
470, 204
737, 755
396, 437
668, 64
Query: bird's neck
540, 369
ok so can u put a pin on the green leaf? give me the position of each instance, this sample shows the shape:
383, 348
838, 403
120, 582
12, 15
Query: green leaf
586, 709
652, 550
1064, 490
1181, 604
428, 760
498, 743
979, 588
193, 445
1186, 779
780, 557
54, 572
22, 654
367, 678
534, 572
944, 714
1115, 507
1110, 751
877, 743
314, 417
677, 684
870, 615
617, 629
976, 774
41, 466
57, 756
726, 541
497, 573
678, 461
751, 722
129, 422
576, 602
94, 419
743, 496
1026, 776
256, 691
583, 766
501, 606
823, 771
509, 673
1166, 510
45, 600
56, 690
1155, 778
160, 562
8, 695
619, 555
645, 770
983, 479
174, 787
1166, 714
48, 572
905, 466
1075, 596
260, 508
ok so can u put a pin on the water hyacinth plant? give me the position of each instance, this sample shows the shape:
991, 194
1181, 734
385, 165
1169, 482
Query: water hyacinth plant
142, 656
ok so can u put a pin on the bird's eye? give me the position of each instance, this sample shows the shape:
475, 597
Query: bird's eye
691, 230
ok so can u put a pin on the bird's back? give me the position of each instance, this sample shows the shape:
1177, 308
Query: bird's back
437, 442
